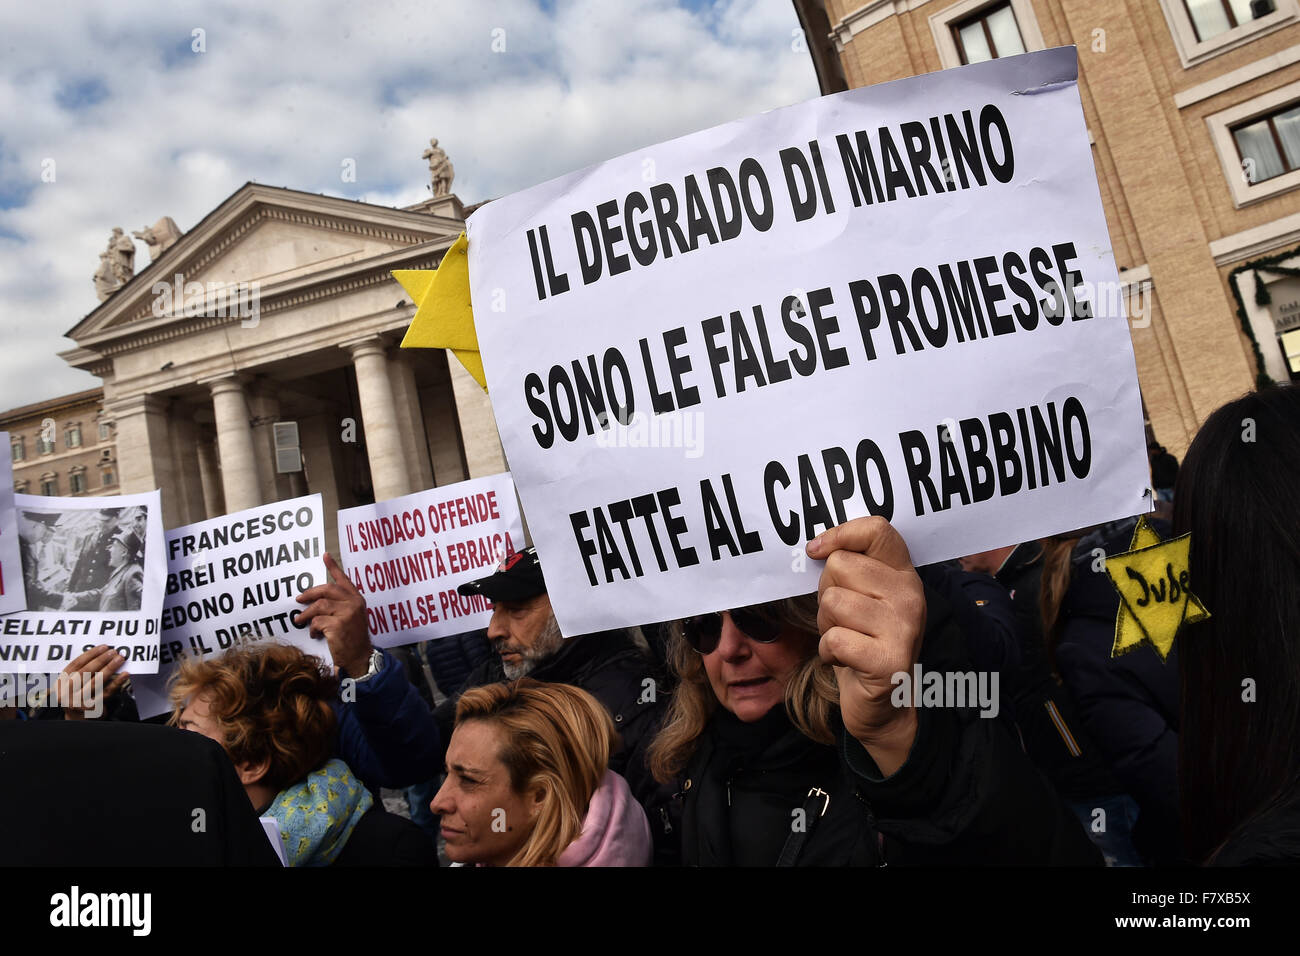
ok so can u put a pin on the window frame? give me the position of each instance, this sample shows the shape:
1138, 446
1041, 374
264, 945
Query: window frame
49, 481
18, 448
77, 476
1277, 142
982, 18
1221, 126
1193, 51
71, 429
943, 23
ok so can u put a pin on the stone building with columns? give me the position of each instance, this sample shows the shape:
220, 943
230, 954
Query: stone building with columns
1193, 112
278, 307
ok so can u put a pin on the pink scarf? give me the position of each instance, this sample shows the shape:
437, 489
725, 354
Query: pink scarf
615, 831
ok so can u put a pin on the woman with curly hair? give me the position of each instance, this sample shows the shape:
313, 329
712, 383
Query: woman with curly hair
270, 708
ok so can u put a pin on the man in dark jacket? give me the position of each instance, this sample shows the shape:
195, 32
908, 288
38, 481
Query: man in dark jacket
526, 641
92, 568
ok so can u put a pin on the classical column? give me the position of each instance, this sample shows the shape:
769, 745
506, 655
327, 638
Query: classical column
210, 474
406, 400
388, 471
263, 413
442, 427
188, 483
478, 426
239, 480
144, 458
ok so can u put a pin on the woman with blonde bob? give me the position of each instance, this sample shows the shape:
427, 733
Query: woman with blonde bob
527, 783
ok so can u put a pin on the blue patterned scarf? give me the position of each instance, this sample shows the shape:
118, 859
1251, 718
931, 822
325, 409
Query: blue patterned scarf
317, 815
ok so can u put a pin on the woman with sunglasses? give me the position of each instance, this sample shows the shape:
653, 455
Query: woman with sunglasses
790, 751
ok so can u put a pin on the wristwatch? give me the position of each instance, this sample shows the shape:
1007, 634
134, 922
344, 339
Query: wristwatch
376, 665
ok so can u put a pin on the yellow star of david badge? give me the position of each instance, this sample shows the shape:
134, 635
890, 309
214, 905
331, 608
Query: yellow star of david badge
1153, 582
444, 318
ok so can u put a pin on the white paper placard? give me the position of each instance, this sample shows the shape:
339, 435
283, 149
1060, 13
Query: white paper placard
408, 555
234, 579
84, 587
898, 300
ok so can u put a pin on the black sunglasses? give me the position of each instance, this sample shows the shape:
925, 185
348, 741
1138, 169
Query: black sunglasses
704, 631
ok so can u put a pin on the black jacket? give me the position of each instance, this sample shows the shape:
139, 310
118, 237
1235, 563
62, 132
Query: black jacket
1130, 703
385, 839
1051, 729
107, 793
613, 669
966, 794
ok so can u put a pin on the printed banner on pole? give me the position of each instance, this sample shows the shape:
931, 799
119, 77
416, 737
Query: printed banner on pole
898, 300
13, 595
94, 572
232, 580
408, 555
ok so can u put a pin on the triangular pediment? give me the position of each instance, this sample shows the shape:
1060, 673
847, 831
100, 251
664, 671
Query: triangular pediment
278, 238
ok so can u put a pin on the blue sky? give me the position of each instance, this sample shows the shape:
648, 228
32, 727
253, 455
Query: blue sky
139, 117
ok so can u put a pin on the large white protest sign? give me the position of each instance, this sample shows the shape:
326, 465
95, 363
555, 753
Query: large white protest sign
408, 555
232, 580
94, 571
898, 300
12, 593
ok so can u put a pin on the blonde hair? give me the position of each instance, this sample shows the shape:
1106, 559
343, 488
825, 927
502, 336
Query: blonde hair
556, 737
1053, 585
811, 695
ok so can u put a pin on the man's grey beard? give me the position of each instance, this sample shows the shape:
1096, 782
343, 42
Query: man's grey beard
548, 642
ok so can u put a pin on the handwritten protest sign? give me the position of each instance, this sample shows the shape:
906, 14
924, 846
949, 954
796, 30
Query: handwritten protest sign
898, 300
12, 593
408, 555
232, 580
94, 571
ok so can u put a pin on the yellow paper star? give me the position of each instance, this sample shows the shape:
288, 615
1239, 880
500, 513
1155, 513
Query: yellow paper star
444, 318
1152, 579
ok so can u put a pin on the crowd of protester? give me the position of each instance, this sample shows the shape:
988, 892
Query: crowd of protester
767, 735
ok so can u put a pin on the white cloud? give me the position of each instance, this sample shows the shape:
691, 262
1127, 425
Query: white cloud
282, 95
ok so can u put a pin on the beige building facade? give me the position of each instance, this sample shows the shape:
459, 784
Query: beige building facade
256, 359
64, 446
1193, 110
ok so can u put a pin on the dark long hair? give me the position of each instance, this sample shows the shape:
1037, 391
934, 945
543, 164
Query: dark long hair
1236, 494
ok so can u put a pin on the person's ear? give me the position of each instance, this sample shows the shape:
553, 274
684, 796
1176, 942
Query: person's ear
537, 798
250, 772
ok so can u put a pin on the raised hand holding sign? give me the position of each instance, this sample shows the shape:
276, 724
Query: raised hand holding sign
871, 615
